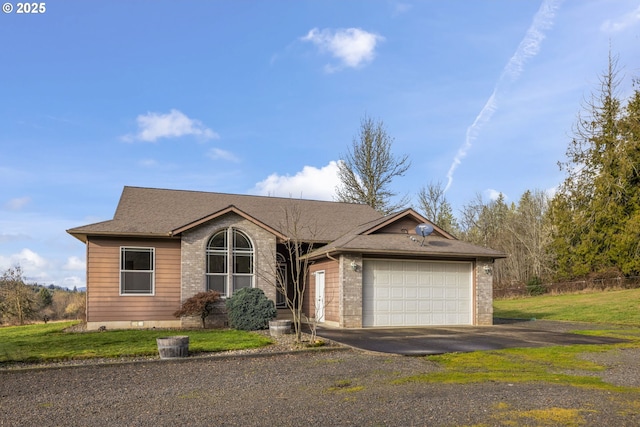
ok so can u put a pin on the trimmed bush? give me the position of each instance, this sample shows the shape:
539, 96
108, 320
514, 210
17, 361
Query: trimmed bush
535, 286
201, 304
249, 309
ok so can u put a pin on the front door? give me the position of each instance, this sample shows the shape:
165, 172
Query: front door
319, 308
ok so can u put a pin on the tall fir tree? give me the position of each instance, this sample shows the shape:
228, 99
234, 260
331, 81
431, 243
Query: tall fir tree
592, 210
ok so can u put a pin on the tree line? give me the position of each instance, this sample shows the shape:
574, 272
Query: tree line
22, 303
590, 226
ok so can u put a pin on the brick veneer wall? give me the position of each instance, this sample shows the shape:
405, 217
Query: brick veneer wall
351, 291
484, 292
194, 245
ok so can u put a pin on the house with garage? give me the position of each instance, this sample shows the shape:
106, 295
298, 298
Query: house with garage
365, 269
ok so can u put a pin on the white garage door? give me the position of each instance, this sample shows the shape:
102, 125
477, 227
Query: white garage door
416, 293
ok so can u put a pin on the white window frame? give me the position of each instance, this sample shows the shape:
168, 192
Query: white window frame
230, 252
152, 271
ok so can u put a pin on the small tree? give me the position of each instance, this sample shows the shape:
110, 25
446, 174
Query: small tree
294, 271
433, 202
249, 309
76, 307
45, 297
201, 304
369, 167
17, 300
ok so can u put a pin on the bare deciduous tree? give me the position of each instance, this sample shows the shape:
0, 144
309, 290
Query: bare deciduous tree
293, 271
434, 204
368, 168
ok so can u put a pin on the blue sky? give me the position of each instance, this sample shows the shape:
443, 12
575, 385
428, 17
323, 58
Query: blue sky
263, 97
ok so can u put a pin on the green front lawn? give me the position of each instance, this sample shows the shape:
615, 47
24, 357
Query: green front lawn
36, 343
620, 307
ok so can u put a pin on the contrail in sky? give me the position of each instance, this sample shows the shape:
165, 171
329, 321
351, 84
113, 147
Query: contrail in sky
528, 48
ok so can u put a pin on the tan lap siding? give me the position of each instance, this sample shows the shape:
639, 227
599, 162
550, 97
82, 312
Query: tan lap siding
104, 302
331, 290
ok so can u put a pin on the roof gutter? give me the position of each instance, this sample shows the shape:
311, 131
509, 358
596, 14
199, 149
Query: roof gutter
330, 253
83, 237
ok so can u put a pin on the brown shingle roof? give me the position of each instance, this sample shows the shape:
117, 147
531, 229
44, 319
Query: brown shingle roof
158, 212
406, 245
346, 227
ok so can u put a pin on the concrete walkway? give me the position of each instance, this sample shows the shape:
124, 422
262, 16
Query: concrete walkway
419, 341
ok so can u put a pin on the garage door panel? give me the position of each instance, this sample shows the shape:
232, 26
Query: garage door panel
450, 293
382, 306
397, 306
413, 293
411, 279
437, 293
424, 293
411, 318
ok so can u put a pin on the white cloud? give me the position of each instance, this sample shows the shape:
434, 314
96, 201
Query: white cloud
352, 46
26, 259
17, 203
494, 194
13, 237
622, 23
148, 163
401, 8
310, 183
72, 282
153, 126
74, 263
218, 154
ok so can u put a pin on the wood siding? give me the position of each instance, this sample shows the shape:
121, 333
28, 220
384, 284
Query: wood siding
104, 302
331, 290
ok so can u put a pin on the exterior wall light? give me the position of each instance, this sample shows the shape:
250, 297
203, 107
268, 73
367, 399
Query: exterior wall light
354, 266
487, 269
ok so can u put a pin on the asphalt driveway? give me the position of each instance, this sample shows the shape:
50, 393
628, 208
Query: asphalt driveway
419, 341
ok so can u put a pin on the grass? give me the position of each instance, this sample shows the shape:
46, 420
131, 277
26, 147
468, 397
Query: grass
555, 365
345, 386
621, 307
49, 342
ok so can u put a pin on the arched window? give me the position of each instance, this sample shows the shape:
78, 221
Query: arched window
229, 262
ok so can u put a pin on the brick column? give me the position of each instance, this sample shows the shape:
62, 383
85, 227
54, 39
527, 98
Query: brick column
484, 292
351, 291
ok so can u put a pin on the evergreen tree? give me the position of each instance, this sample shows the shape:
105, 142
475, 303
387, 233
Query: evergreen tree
595, 212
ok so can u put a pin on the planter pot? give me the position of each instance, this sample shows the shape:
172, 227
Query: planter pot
279, 327
173, 347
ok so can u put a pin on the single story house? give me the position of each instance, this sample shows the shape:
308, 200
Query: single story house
365, 269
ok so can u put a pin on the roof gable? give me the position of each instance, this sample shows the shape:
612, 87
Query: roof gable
395, 235
405, 222
225, 211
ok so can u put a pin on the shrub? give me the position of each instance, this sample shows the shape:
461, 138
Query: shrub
249, 309
535, 286
201, 304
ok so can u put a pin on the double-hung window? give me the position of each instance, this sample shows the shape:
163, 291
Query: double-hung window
230, 262
137, 271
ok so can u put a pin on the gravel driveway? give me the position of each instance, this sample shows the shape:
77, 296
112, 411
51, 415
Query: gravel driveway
328, 388
311, 388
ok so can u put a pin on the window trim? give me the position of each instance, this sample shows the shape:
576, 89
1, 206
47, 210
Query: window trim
230, 253
151, 250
